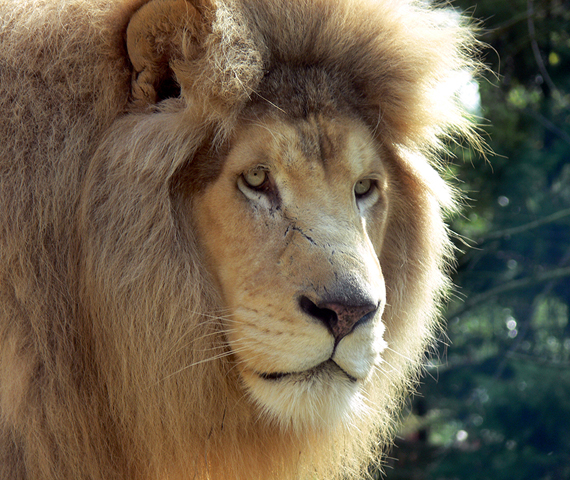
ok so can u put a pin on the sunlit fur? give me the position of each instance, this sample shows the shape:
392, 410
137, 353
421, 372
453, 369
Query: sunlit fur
114, 354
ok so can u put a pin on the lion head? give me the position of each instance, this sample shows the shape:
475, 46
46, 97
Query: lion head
226, 248
292, 228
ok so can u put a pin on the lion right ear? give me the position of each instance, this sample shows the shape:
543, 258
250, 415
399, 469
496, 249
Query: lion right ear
158, 34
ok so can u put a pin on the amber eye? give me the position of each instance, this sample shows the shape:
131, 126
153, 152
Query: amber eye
255, 178
362, 187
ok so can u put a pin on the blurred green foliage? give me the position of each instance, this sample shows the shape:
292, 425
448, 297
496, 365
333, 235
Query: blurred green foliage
497, 407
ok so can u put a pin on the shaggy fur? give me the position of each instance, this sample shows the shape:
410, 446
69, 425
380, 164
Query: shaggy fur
114, 362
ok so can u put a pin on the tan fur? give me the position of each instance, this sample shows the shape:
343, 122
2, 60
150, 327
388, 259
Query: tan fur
130, 247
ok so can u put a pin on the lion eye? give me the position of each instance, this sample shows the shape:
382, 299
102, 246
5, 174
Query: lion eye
255, 178
362, 187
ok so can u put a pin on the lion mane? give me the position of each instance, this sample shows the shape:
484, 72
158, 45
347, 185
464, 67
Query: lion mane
116, 353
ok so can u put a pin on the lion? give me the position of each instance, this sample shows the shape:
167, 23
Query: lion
222, 242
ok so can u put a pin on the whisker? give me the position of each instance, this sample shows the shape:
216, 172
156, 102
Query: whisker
400, 354
265, 127
199, 362
271, 103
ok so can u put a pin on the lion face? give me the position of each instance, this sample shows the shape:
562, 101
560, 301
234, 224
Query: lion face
292, 229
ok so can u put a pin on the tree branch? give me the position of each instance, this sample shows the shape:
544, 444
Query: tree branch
525, 227
539, 360
517, 284
548, 125
536, 50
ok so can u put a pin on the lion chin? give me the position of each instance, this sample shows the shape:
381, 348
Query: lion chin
321, 396
223, 250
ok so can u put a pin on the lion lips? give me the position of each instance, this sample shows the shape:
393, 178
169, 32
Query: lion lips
306, 375
355, 359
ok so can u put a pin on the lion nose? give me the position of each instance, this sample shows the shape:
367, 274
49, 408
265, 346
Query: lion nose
339, 317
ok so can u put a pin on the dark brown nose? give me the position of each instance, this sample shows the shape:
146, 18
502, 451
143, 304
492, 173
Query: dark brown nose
340, 317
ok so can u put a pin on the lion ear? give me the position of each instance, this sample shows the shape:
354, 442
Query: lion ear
158, 34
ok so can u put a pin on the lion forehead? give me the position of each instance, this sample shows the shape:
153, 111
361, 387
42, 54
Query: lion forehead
339, 148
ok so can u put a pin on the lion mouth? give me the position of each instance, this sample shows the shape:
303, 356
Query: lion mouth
328, 366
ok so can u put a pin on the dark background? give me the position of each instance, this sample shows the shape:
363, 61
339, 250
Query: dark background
495, 404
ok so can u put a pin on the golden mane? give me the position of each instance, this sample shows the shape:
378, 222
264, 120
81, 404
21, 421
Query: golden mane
110, 364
